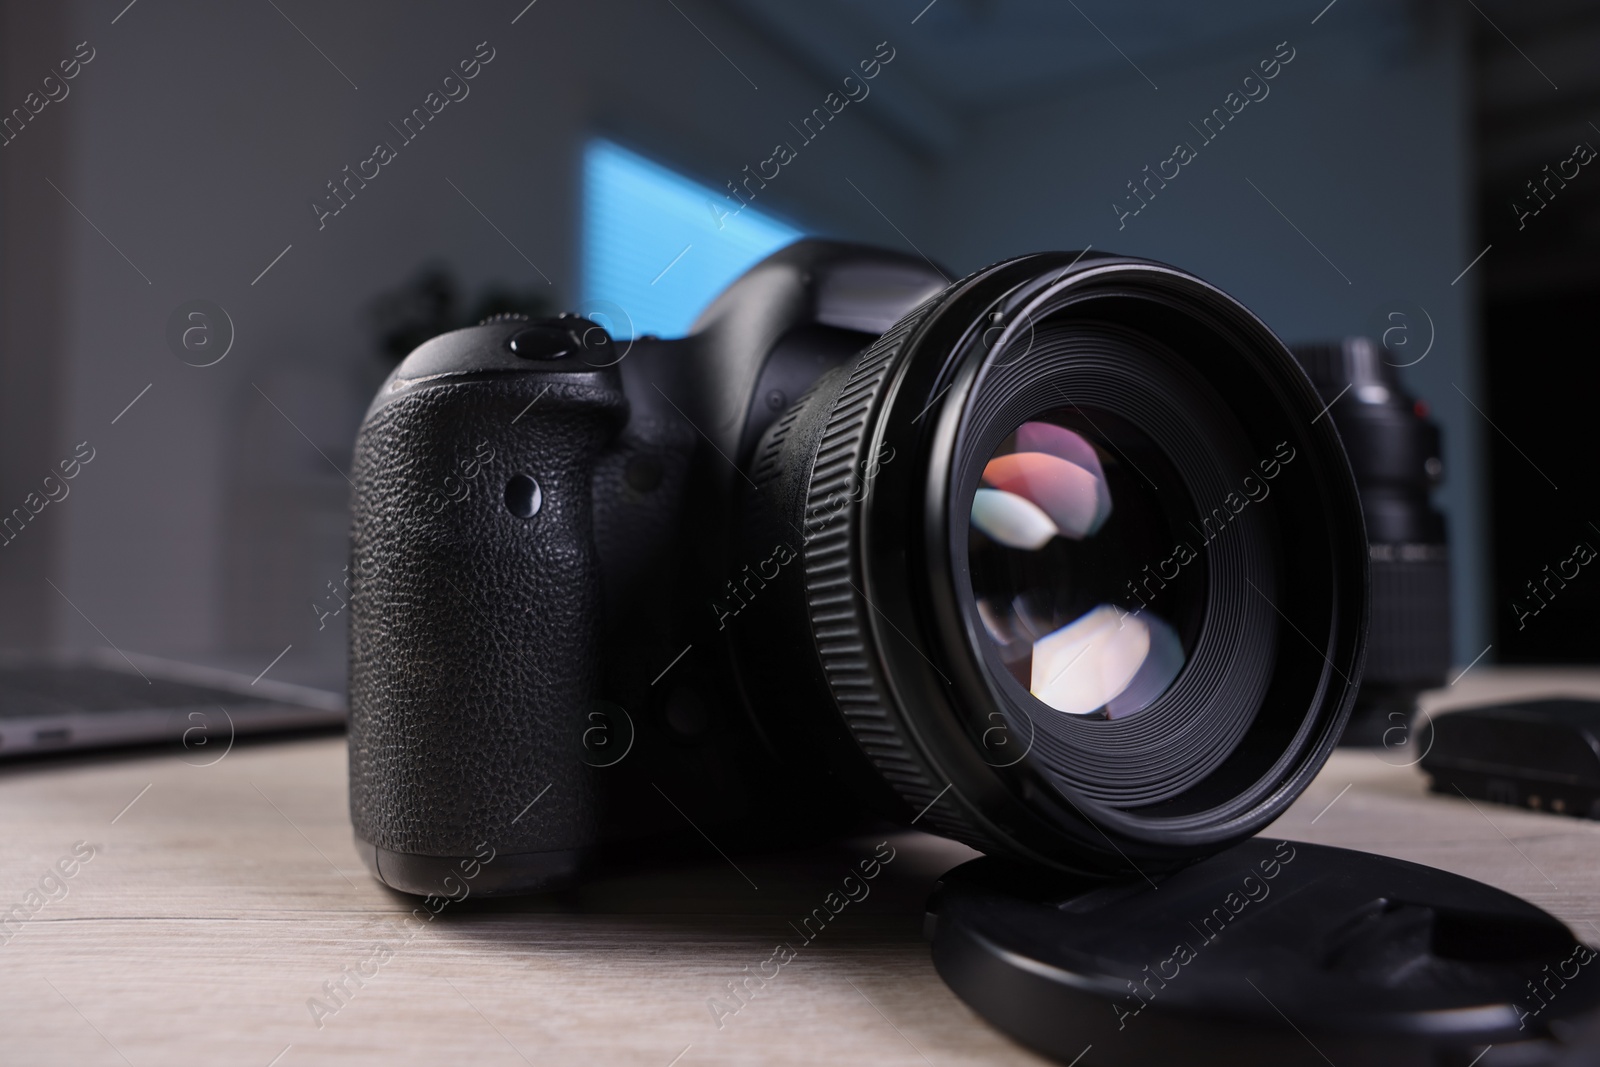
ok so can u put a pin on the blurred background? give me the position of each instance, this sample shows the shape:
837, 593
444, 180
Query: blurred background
1413, 170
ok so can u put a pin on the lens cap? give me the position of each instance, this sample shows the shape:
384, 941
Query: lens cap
1274, 952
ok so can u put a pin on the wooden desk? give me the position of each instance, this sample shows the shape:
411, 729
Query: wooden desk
220, 899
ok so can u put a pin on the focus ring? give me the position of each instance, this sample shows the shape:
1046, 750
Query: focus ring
836, 607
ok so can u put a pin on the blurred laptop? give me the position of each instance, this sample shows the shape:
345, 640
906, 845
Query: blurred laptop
103, 699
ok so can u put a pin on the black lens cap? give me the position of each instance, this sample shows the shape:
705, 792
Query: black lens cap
1273, 952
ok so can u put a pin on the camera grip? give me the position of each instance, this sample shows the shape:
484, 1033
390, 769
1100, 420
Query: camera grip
475, 626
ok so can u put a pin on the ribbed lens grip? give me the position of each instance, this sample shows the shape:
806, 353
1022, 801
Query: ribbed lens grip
810, 471
1410, 635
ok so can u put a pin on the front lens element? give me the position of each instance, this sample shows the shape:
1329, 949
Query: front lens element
1085, 600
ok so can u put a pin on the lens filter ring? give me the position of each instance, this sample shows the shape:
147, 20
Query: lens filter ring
1162, 366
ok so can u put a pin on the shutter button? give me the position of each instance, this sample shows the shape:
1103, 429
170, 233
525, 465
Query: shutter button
558, 339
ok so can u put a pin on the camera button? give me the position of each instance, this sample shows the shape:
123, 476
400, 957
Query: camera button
543, 342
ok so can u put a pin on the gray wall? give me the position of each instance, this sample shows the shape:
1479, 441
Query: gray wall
1363, 140
207, 522
34, 272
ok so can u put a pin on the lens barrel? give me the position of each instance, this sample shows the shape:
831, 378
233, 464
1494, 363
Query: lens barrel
1080, 570
1394, 451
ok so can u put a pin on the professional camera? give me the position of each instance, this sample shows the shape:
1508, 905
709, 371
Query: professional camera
1057, 560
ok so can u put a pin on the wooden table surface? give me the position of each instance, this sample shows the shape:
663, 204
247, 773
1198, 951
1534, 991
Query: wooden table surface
219, 900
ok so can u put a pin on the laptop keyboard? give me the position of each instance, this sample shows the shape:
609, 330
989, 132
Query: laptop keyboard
28, 691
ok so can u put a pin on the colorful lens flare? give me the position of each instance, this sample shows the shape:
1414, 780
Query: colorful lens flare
1048, 482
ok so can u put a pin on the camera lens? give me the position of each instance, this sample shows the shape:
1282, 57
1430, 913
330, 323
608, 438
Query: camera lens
1153, 604
1084, 578
1394, 452
1059, 530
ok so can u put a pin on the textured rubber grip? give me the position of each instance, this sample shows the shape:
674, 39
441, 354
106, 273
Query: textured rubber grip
475, 630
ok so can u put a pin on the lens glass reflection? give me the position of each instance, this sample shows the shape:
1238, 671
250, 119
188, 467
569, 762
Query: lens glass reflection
1087, 597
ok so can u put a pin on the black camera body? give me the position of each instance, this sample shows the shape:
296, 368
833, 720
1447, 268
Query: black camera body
574, 656
623, 591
